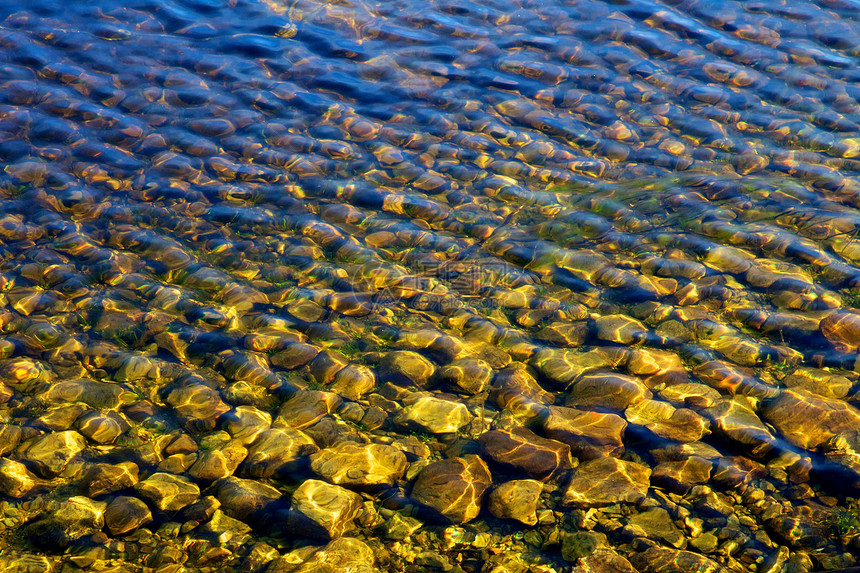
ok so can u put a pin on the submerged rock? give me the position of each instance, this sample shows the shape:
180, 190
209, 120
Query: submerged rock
434, 415
523, 449
605, 481
49, 454
665, 560
126, 514
342, 555
247, 500
808, 420
66, 522
516, 499
277, 449
324, 510
454, 487
359, 465
102, 479
168, 492
15, 479
589, 434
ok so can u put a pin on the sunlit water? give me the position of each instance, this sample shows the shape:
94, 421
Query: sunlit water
191, 188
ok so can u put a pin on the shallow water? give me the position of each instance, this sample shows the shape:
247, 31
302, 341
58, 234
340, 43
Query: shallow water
547, 234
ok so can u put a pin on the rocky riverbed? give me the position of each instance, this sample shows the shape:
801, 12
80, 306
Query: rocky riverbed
500, 287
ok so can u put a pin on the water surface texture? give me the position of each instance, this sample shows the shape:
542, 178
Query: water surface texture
495, 287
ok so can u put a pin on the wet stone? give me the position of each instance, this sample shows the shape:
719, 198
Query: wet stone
102, 427
295, 355
580, 544
66, 522
656, 524
842, 329
524, 450
325, 366
516, 387
589, 434
308, 407
218, 463
406, 367
102, 479
807, 420
359, 465
168, 492
276, 450
324, 510
15, 479
453, 487
609, 390
465, 375
125, 514
48, 455
620, 329
561, 367
691, 395
100, 395
680, 476
516, 499
197, 406
603, 560
605, 481
340, 555
682, 424
245, 423
353, 381
434, 415
820, 382
736, 420
247, 500
665, 560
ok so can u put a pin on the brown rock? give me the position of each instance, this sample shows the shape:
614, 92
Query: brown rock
197, 406
523, 449
589, 434
276, 450
219, 463
102, 479
295, 355
517, 500
680, 476
807, 420
326, 365
434, 415
49, 454
308, 407
102, 427
682, 424
247, 500
607, 390
736, 420
168, 492
126, 514
353, 381
454, 487
465, 375
246, 423
359, 465
15, 479
605, 481
514, 388
341, 555
842, 329
324, 510
603, 560
406, 367
691, 395
561, 367
665, 560
620, 328
821, 382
